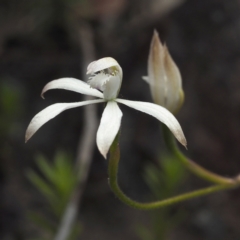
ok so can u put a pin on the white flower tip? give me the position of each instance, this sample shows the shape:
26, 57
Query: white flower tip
181, 138
28, 135
46, 88
103, 149
104, 154
184, 143
31, 130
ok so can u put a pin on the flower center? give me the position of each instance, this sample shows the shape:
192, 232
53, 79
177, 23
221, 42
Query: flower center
108, 81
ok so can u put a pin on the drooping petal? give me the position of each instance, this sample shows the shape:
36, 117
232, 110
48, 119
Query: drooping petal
50, 112
72, 84
109, 126
161, 113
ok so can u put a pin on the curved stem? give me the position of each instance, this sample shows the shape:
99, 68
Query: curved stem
192, 166
113, 170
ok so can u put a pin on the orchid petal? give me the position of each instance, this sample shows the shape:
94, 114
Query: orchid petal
109, 127
107, 76
102, 64
50, 112
72, 84
112, 87
98, 81
161, 113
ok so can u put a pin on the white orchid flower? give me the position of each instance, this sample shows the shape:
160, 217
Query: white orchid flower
104, 83
164, 77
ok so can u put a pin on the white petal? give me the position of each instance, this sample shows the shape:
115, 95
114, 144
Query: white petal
112, 87
102, 64
50, 112
161, 113
111, 84
109, 126
98, 81
72, 84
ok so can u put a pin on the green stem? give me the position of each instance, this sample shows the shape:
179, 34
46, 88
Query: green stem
113, 170
192, 166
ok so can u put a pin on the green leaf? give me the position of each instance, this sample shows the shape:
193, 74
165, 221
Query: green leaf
43, 222
47, 169
42, 186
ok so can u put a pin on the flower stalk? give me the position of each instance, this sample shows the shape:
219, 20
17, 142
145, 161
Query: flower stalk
113, 182
194, 167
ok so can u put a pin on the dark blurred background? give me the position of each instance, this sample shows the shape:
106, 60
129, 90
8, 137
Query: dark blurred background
40, 41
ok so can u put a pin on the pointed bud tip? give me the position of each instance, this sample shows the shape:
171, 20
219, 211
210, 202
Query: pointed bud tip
156, 36
155, 32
